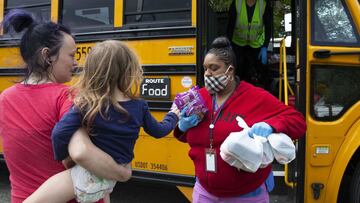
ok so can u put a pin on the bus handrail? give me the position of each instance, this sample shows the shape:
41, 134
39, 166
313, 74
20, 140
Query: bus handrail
284, 79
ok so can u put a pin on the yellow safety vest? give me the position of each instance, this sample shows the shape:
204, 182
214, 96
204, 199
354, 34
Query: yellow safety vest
253, 33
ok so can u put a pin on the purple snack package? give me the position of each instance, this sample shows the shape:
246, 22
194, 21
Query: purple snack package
193, 100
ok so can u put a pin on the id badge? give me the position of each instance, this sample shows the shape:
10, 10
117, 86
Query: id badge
210, 155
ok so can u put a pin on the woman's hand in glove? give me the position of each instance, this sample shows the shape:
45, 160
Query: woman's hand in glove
263, 55
261, 129
187, 122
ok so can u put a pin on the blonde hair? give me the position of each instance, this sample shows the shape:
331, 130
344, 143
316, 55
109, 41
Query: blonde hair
110, 65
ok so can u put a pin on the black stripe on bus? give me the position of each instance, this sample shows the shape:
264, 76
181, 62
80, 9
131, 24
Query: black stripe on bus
137, 34
139, 30
12, 71
148, 70
126, 34
28, 6
22, 71
157, 11
159, 105
301, 100
169, 69
157, 177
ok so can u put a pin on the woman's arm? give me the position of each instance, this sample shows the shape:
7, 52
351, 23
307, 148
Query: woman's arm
87, 155
282, 118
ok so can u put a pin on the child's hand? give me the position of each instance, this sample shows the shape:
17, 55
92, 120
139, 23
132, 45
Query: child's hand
68, 162
128, 165
174, 109
126, 172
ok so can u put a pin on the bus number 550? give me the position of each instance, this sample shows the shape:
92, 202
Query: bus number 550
81, 52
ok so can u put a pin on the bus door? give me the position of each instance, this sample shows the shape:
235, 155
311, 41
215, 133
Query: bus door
212, 22
330, 63
212, 19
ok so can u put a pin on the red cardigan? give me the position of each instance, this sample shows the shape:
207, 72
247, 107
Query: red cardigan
254, 105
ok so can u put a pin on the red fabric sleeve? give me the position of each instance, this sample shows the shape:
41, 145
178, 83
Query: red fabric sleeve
181, 136
285, 119
64, 103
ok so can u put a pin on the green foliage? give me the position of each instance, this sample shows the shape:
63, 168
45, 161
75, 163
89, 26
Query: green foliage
281, 7
220, 5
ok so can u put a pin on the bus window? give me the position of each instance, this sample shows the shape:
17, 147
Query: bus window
331, 24
156, 13
40, 9
85, 16
335, 89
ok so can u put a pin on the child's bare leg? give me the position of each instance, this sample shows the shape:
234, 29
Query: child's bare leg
107, 198
57, 189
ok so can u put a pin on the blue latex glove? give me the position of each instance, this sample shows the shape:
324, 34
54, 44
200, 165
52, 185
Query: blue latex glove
270, 182
263, 55
187, 122
262, 129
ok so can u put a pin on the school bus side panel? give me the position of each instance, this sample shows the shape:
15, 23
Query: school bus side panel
345, 153
10, 59
331, 133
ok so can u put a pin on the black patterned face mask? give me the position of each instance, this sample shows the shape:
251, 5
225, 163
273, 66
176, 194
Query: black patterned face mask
215, 84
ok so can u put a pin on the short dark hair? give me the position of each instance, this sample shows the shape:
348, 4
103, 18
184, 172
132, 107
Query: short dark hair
36, 36
221, 47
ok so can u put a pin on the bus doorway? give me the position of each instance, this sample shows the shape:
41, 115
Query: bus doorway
212, 22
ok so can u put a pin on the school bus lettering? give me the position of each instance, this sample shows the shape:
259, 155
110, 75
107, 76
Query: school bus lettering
151, 166
155, 88
154, 91
140, 164
81, 52
179, 50
157, 166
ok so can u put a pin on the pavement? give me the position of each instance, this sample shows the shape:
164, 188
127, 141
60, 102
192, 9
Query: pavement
137, 192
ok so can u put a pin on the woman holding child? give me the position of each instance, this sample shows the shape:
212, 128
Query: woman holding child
30, 109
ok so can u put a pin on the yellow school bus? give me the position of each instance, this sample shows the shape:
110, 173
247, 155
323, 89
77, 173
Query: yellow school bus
171, 37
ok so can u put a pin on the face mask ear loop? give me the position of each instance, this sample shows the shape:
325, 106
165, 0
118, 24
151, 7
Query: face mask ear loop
232, 77
227, 69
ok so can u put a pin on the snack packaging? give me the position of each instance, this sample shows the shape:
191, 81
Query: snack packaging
193, 101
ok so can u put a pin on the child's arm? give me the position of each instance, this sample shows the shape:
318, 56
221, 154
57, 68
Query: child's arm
63, 131
160, 129
87, 155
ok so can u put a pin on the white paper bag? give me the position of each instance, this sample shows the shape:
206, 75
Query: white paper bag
241, 151
283, 147
268, 156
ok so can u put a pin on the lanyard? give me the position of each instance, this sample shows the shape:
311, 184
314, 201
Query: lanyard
212, 121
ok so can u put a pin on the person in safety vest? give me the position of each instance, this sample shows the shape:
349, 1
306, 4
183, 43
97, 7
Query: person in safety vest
249, 31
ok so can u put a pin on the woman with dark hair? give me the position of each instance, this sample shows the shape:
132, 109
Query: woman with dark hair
30, 109
226, 97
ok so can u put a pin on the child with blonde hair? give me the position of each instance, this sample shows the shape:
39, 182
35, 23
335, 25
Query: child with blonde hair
106, 106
